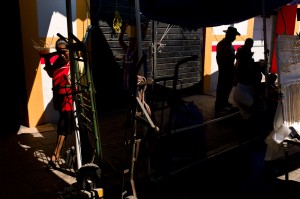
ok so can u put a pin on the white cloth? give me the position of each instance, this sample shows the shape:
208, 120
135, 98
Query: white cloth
243, 96
280, 133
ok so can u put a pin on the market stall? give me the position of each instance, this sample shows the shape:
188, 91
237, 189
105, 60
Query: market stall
287, 119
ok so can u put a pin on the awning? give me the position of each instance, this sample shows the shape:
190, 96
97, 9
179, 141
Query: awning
195, 13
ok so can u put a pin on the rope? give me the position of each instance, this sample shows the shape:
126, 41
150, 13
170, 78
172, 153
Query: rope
160, 44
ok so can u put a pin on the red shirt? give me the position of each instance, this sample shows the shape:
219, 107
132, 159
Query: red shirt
62, 90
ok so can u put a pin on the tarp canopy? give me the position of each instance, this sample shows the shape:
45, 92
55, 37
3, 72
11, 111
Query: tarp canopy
195, 13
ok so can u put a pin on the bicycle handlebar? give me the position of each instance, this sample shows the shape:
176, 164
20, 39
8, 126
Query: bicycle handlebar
77, 45
62, 37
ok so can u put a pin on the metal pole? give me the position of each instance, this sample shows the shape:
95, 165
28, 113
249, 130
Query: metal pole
72, 72
266, 51
139, 31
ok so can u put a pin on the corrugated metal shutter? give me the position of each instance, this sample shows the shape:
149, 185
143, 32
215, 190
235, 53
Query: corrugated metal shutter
107, 55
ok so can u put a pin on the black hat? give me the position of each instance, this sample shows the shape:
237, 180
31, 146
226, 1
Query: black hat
232, 30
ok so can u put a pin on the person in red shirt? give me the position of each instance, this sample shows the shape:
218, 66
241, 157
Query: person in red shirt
59, 71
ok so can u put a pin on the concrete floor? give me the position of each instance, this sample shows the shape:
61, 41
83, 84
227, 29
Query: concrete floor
233, 163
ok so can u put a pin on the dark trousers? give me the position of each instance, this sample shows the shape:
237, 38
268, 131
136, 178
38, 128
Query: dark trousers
224, 88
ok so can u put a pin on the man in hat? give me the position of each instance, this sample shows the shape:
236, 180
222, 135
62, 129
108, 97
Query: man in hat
226, 66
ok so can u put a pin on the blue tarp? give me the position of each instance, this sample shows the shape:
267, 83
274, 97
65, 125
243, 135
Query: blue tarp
196, 13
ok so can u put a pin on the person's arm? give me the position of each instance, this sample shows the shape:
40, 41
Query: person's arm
121, 38
48, 66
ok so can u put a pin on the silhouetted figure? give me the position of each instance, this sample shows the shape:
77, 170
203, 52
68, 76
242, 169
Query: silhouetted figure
247, 94
225, 60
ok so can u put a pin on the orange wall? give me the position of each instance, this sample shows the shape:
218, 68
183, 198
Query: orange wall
29, 27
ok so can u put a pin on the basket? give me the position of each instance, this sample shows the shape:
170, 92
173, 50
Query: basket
44, 50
